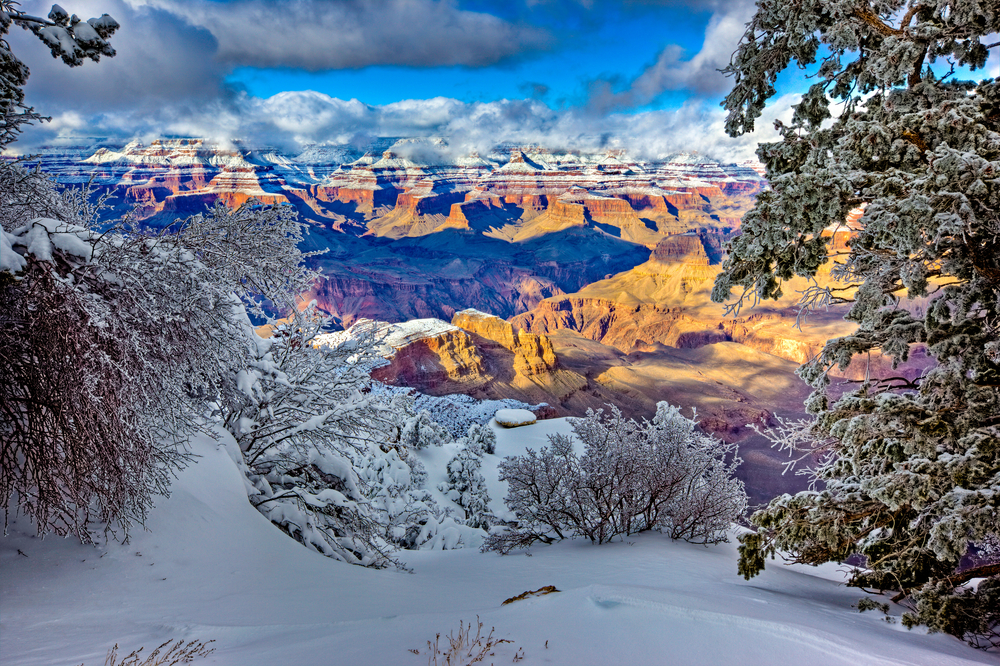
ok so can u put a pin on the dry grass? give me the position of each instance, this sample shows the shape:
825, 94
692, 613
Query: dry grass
170, 653
465, 649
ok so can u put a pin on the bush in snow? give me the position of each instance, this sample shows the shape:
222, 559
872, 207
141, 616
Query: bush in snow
116, 343
660, 474
466, 485
420, 431
304, 429
170, 653
325, 456
483, 437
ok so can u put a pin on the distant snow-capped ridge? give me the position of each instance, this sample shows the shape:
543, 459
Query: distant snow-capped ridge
380, 152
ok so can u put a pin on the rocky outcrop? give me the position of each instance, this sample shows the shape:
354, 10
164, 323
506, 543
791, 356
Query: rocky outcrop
771, 334
533, 354
681, 249
450, 357
628, 327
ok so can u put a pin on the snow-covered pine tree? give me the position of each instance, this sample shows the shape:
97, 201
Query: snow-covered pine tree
466, 485
420, 431
482, 436
66, 36
914, 478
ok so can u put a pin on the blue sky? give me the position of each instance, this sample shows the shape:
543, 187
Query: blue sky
639, 74
614, 43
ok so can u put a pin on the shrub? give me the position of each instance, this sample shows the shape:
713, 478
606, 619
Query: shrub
116, 343
170, 653
632, 477
326, 458
464, 649
467, 487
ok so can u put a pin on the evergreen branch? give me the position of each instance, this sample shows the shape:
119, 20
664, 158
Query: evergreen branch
872, 19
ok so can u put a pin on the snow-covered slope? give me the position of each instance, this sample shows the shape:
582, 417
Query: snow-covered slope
212, 567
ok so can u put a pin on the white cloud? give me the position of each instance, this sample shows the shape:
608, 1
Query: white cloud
699, 74
168, 79
292, 120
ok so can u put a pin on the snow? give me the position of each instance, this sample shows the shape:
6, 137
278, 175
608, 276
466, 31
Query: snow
456, 412
9, 259
513, 418
390, 337
210, 566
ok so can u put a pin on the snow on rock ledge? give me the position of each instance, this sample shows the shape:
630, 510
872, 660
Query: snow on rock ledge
512, 418
389, 338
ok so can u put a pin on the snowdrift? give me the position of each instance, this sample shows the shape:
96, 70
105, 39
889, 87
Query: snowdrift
210, 566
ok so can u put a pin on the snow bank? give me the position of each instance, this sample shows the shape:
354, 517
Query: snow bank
389, 337
212, 567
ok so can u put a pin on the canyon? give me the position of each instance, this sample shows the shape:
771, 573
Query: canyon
413, 229
575, 280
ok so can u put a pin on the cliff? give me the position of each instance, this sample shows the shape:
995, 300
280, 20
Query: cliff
533, 354
681, 249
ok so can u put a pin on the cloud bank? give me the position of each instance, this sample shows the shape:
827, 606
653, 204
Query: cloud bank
315, 35
290, 121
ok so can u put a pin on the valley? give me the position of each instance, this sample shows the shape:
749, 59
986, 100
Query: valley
575, 280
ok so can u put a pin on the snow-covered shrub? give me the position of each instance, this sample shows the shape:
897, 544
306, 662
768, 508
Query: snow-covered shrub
482, 436
116, 343
661, 474
466, 485
420, 431
305, 429
326, 457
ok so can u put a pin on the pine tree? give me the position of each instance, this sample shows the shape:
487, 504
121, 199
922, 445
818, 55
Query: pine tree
421, 431
466, 485
913, 476
482, 436
67, 37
